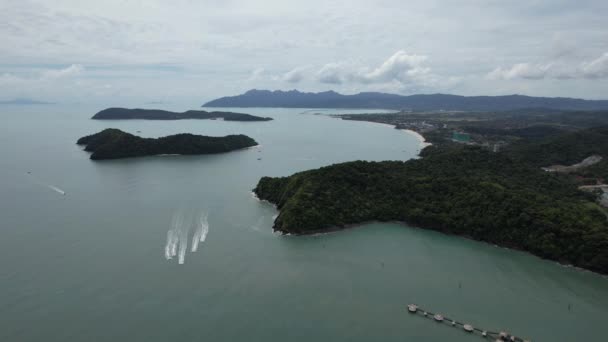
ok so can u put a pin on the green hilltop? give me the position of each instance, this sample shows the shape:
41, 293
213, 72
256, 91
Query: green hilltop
113, 144
500, 198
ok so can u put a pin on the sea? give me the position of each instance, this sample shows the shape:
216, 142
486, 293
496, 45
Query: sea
177, 248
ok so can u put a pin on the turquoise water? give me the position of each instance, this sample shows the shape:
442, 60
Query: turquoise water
90, 264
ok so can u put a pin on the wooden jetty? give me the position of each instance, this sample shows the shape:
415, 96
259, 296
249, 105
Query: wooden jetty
442, 319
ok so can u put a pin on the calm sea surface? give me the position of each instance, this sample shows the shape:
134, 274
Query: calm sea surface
91, 265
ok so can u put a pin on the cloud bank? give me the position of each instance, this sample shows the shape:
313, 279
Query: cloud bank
400, 67
399, 71
594, 69
184, 51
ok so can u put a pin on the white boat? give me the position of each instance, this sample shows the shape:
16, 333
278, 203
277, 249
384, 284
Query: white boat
438, 318
468, 328
412, 308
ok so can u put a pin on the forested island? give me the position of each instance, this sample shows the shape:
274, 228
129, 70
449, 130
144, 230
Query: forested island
157, 114
502, 198
114, 144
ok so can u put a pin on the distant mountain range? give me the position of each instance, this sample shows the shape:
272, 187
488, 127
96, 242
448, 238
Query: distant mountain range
331, 99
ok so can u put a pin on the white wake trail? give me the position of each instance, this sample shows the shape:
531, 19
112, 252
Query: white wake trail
201, 232
196, 238
172, 235
56, 189
168, 245
177, 236
204, 227
183, 245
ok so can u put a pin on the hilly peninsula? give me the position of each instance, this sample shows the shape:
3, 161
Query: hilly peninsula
114, 144
467, 191
157, 114
420, 102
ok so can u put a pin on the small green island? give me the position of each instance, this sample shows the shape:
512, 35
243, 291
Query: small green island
502, 198
157, 114
114, 144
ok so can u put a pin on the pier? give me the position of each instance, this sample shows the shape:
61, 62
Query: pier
441, 319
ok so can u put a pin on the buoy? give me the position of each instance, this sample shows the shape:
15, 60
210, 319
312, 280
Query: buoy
501, 336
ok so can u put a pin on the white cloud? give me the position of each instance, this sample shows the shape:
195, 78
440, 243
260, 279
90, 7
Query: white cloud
256, 74
400, 71
45, 84
214, 46
597, 68
401, 67
334, 73
520, 70
7, 79
46, 76
72, 70
295, 75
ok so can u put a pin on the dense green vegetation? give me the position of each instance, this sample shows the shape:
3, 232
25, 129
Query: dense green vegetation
531, 132
461, 190
490, 127
157, 114
564, 149
114, 144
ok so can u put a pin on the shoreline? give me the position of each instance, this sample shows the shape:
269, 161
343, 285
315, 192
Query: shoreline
335, 229
420, 137
422, 143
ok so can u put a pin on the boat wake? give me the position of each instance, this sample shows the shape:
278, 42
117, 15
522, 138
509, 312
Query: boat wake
201, 233
57, 190
177, 235
41, 183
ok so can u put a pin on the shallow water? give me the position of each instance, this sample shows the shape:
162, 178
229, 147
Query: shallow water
91, 264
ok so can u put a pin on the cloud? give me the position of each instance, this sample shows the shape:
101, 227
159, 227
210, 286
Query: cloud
332, 73
72, 70
215, 45
400, 71
597, 68
43, 83
43, 76
9, 79
256, 74
400, 67
336, 73
295, 75
594, 69
520, 70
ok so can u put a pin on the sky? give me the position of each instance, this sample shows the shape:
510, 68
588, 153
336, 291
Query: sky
186, 51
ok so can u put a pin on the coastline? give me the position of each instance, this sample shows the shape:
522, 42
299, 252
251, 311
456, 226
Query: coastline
420, 137
422, 143
334, 229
